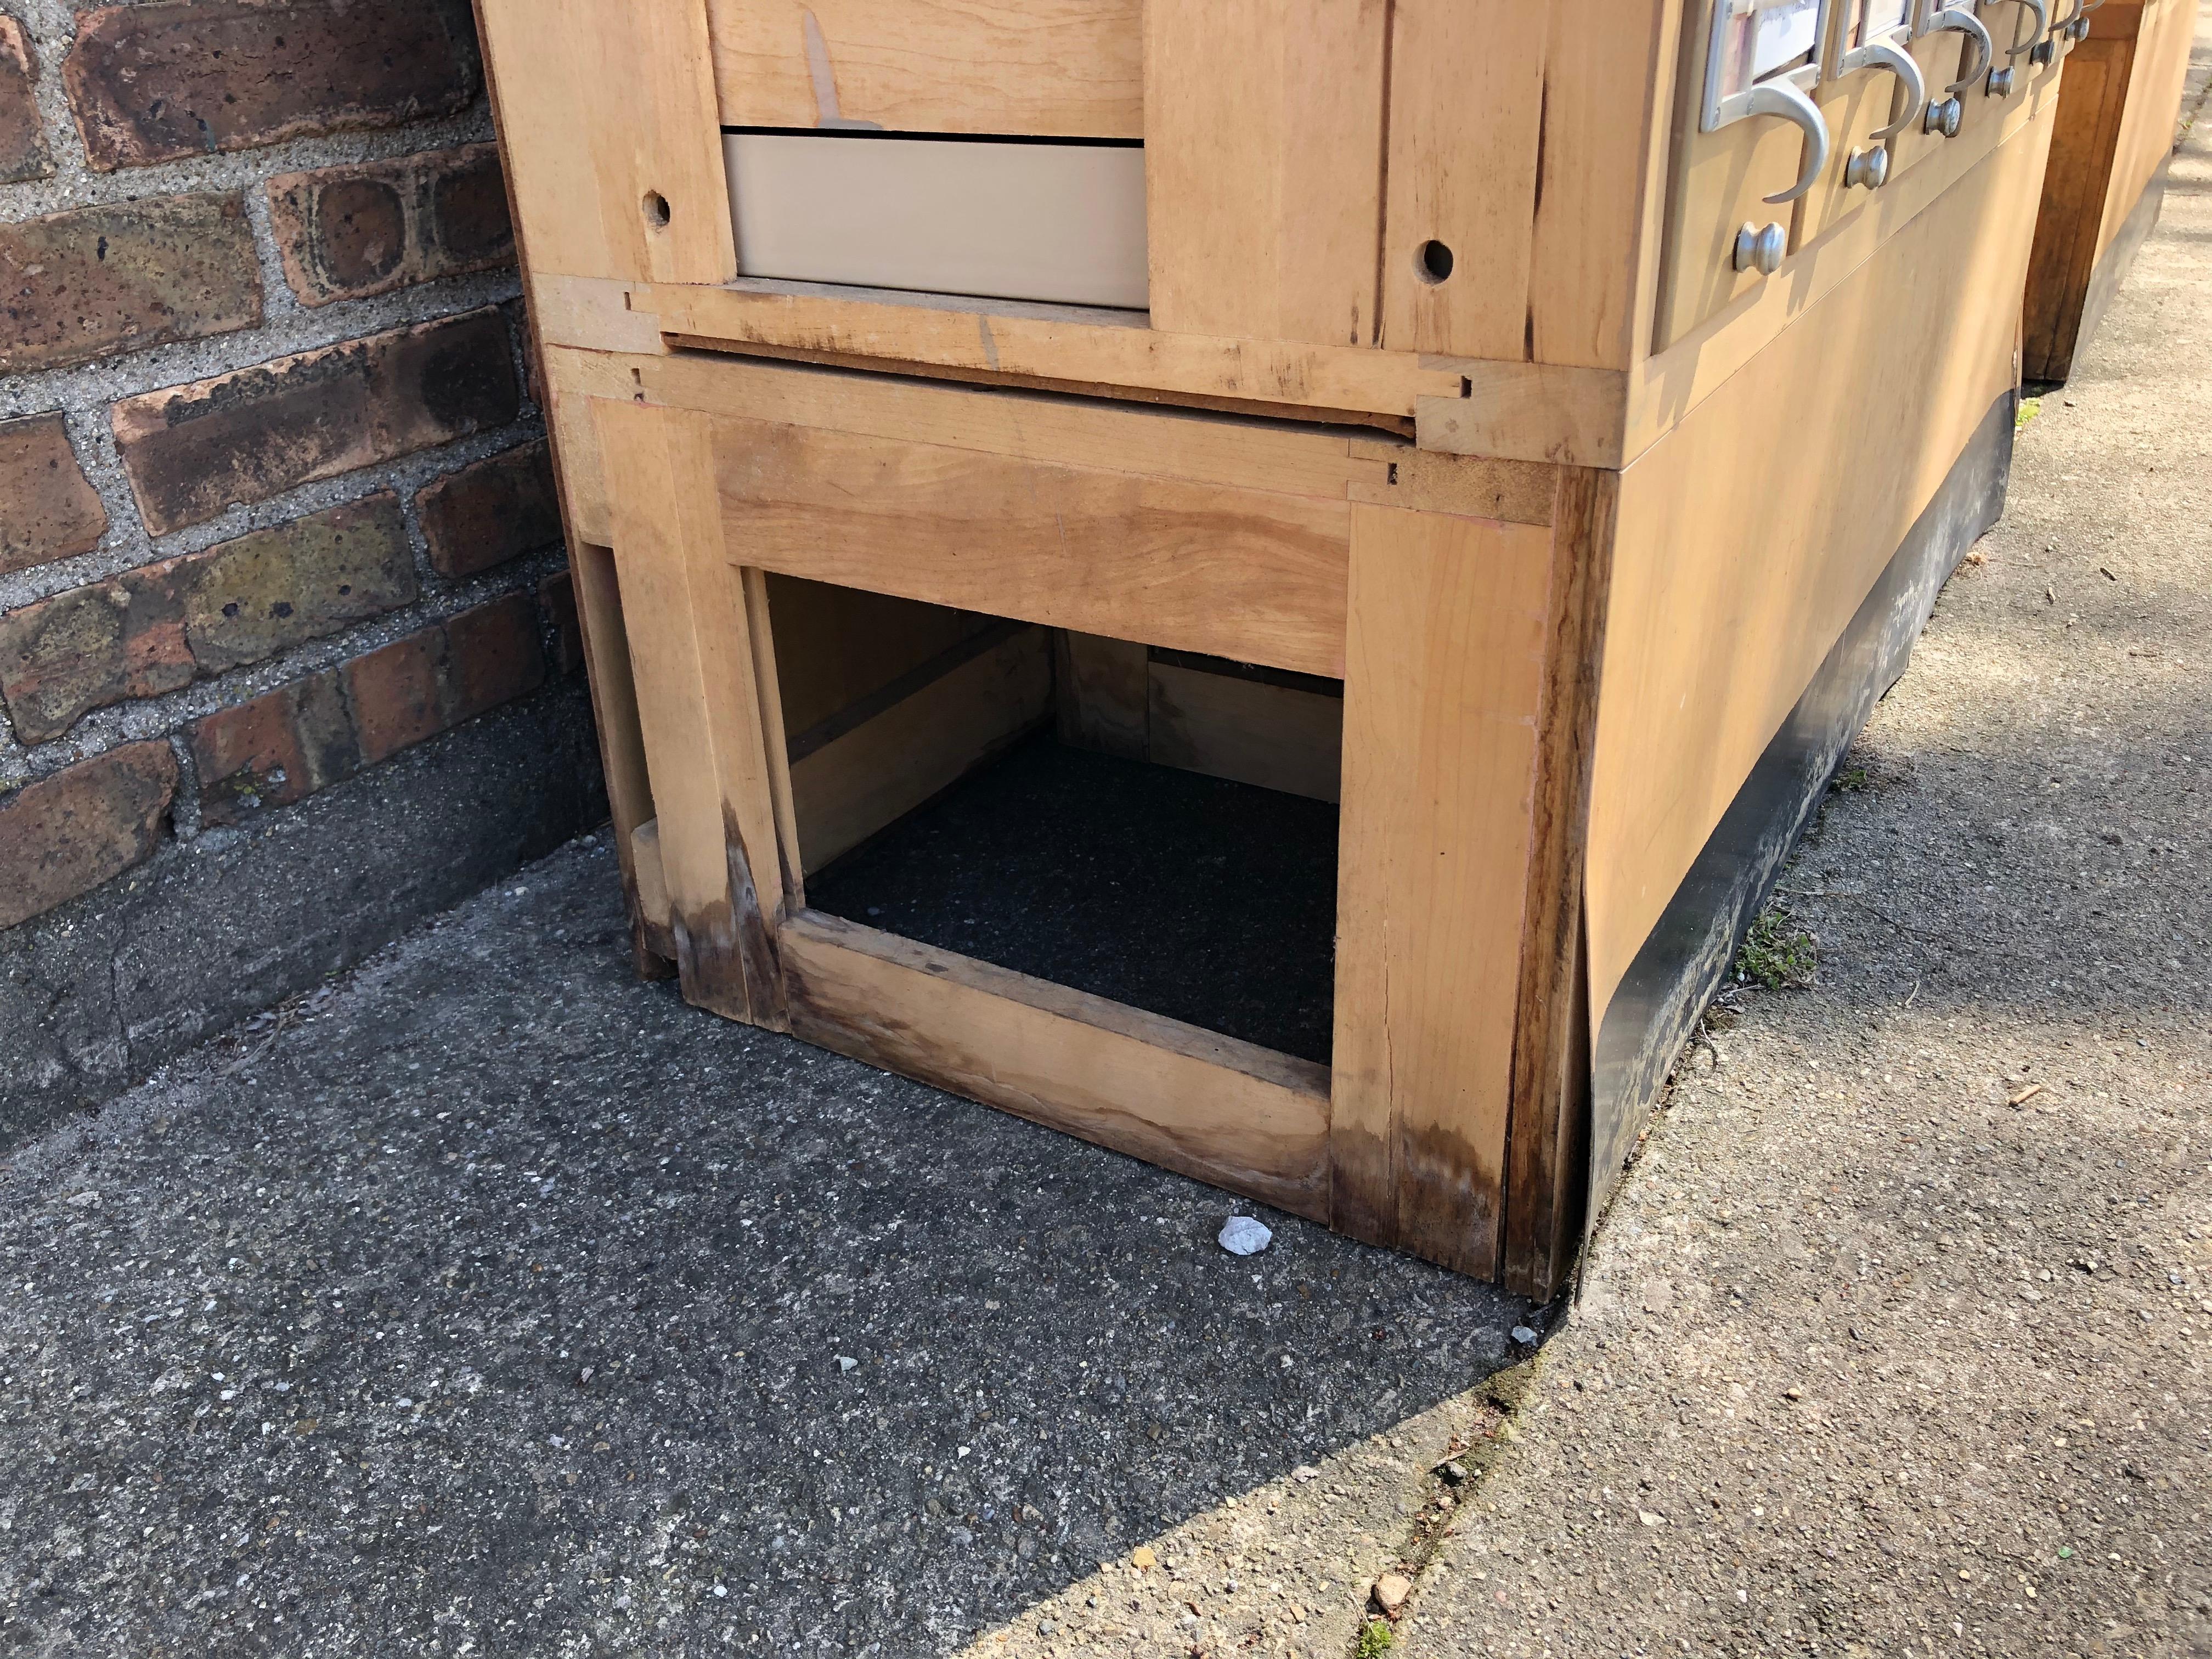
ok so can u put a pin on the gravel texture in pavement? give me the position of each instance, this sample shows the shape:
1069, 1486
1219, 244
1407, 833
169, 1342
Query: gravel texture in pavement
490, 1302
1898, 1340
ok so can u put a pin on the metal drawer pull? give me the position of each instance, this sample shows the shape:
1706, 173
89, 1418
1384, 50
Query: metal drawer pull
2042, 24
1881, 54
1962, 19
1733, 56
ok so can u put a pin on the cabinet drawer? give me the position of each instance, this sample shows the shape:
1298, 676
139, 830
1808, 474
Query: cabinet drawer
1006, 219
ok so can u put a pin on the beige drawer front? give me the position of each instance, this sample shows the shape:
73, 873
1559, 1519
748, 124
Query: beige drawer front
1058, 223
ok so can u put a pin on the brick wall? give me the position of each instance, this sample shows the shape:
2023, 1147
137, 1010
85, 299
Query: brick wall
275, 506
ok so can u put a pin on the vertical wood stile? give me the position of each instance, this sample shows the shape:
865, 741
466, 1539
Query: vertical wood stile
602, 105
1608, 87
1444, 668
1263, 157
1467, 98
699, 696
1545, 1154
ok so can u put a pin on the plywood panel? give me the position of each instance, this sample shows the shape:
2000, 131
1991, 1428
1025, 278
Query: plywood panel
1102, 692
1467, 101
883, 767
1208, 1106
610, 136
1055, 68
1060, 223
1229, 726
1445, 658
1736, 564
1263, 157
1251, 574
836, 645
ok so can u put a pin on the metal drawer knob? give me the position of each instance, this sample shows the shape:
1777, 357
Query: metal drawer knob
1868, 168
1760, 248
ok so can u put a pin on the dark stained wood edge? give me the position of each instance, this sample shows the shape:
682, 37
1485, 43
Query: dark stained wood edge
2084, 144
1546, 1121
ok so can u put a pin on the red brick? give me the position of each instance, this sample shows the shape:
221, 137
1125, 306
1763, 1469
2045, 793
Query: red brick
159, 628
93, 646
277, 749
96, 280
492, 656
23, 153
396, 693
348, 232
48, 510
556, 596
192, 451
65, 834
273, 589
496, 510
163, 81
417, 687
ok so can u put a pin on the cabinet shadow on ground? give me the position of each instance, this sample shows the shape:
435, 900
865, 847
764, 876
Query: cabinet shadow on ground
553, 1316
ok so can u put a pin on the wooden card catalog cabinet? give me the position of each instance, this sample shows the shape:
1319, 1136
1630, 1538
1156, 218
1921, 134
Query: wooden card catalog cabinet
2109, 150
1505, 445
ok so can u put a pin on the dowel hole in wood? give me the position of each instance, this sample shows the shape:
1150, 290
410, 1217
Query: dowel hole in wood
656, 209
1435, 262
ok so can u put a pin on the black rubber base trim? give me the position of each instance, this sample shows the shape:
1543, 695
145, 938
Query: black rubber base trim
1681, 964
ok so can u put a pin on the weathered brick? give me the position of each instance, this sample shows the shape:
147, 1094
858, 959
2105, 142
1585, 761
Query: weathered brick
96, 281
417, 687
65, 834
23, 153
93, 646
492, 656
348, 232
171, 78
396, 694
48, 510
278, 748
556, 596
192, 450
273, 589
496, 510
159, 628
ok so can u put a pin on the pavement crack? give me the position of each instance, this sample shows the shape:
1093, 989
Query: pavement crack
1449, 1487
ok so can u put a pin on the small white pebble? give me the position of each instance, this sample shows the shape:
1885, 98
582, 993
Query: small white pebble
1242, 1235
